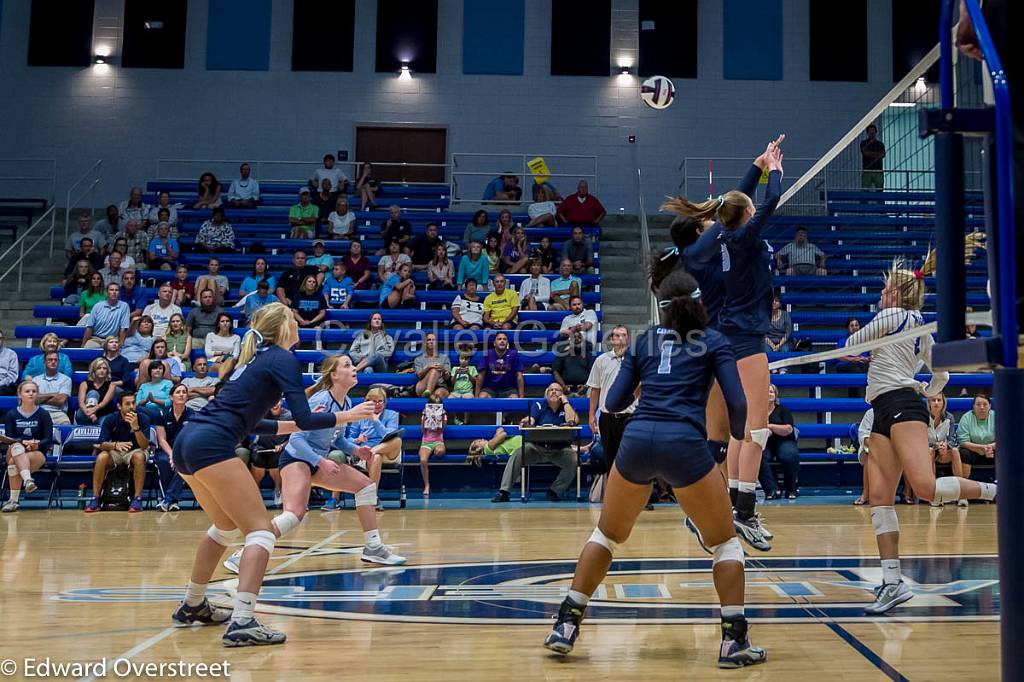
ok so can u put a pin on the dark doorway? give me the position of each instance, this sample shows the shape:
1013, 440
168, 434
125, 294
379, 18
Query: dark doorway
386, 145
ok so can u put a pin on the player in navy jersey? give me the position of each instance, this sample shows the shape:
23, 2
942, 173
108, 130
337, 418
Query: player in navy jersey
31, 429
674, 363
204, 455
307, 460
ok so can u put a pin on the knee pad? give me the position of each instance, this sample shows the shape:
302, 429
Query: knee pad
601, 539
17, 449
261, 538
730, 550
286, 523
884, 520
12, 470
947, 489
223, 537
367, 497
760, 436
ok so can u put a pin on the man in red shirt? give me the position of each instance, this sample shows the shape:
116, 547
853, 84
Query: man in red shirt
581, 208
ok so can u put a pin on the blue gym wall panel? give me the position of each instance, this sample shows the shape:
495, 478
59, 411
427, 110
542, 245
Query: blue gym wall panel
238, 35
744, 56
492, 36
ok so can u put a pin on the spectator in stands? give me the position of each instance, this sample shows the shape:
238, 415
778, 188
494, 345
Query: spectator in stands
139, 341
260, 271
329, 171
161, 310
474, 265
501, 374
108, 318
111, 223
579, 320
133, 208
516, 256
261, 454
113, 272
291, 279
216, 234
782, 446
163, 251
579, 251
120, 245
96, 395
422, 248
872, 151
136, 241
132, 294
35, 365
463, 377
500, 445
158, 354
390, 262
942, 438
338, 287
977, 435
322, 261
163, 204
213, 281
477, 230
172, 421
303, 216
77, 282
120, 368
801, 256
257, 299
222, 347
395, 229
433, 370
87, 253
358, 267
341, 223
574, 358
32, 430
551, 192
154, 396
504, 227
399, 289
780, 328
440, 270
201, 386
85, 230
124, 441
163, 215
468, 308
970, 330
433, 419
184, 290
581, 208
503, 188
371, 433
501, 307
325, 199
492, 252
372, 347
367, 187
207, 191
309, 305
179, 343
245, 191
54, 389
535, 290
564, 287
202, 319
547, 255
542, 211
8, 368
852, 364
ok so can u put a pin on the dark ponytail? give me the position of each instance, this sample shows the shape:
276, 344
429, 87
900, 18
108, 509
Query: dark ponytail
680, 304
663, 262
683, 232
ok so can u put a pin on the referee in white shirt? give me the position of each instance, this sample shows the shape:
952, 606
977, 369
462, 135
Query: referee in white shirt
602, 376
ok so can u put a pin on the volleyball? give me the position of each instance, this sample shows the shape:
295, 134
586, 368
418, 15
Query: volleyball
657, 92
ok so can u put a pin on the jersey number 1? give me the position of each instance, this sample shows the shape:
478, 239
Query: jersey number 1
665, 366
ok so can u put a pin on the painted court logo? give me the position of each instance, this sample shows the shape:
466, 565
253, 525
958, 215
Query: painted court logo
636, 590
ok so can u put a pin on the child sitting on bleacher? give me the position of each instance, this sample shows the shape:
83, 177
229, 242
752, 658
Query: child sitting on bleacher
464, 377
432, 422
338, 287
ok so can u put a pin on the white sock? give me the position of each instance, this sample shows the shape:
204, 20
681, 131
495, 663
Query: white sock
734, 483
245, 607
988, 491
578, 598
15, 495
195, 593
732, 611
891, 571
372, 537
746, 487
26, 475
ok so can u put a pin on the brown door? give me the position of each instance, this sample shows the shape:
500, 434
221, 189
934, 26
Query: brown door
383, 145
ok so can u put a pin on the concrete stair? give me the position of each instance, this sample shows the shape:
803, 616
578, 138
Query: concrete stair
39, 274
624, 298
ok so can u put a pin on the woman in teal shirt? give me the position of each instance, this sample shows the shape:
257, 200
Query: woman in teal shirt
977, 435
155, 394
474, 265
259, 271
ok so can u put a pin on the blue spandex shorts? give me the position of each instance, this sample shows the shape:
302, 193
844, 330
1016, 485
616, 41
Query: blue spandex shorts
745, 345
664, 450
284, 459
199, 446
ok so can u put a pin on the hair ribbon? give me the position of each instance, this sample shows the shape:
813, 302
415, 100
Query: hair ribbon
721, 200
669, 252
918, 274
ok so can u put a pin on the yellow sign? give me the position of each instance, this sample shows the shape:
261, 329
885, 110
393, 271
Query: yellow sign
539, 168
764, 177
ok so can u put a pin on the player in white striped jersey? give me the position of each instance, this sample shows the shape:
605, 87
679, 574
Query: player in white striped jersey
899, 435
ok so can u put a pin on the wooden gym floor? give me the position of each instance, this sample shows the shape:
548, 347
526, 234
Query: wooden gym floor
475, 600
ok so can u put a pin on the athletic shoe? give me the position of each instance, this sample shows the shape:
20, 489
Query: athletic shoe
768, 535
962, 503
92, 505
501, 496
750, 531
163, 506
382, 554
173, 506
563, 635
251, 633
30, 486
277, 498
331, 505
136, 506
201, 614
737, 651
9, 506
233, 562
692, 527
888, 596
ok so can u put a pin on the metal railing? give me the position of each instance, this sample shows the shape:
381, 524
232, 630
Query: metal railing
24, 251
21, 177
710, 176
472, 171
72, 200
285, 171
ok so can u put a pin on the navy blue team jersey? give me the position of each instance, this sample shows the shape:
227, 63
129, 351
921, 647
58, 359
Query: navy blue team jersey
747, 269
676, 375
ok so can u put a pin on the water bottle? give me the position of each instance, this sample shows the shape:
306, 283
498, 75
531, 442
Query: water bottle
81, 496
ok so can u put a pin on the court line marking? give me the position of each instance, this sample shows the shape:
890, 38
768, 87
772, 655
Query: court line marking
138, 648
866, 651
304, 553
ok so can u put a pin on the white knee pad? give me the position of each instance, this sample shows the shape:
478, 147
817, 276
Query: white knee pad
600, 538
261, 538
223, 537
367, 497
947, 489
884, 520
286, 523
730, 550
12, 470
760, 436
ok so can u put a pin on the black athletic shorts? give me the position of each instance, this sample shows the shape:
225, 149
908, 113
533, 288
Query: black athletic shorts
746, 345
664, 450
896, 407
